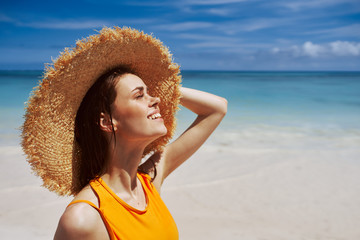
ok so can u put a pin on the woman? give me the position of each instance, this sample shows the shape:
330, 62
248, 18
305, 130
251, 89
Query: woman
116, 124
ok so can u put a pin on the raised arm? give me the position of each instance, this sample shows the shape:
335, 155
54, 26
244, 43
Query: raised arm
210, 110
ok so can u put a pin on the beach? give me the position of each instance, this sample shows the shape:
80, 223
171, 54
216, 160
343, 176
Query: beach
283, 165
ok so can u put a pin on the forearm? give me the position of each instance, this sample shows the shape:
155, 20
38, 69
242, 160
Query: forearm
210, 110
202, 103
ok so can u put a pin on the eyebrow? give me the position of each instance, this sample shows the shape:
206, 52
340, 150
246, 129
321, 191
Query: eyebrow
140, 88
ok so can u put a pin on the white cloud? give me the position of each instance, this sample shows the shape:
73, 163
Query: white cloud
344, 31
258, 24
309, 49
4, 18
184, 26
207, 37
183, 3
56, 23
220, 11
306, 4
212, 2
312, 50
75, 24
78, 23
343, 48
254, 24
215, 43
275, 50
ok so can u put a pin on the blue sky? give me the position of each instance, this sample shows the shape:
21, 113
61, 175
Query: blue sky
202, 35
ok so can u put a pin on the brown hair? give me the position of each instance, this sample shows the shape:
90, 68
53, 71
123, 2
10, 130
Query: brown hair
89, 137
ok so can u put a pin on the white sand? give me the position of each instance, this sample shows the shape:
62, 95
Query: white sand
235, 187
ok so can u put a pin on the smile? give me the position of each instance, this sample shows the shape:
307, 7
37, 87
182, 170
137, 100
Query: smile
154, 116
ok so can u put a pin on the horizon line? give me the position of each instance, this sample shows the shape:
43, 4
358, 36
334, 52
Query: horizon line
204, 70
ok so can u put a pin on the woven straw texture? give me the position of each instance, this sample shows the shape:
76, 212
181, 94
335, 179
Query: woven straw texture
48, 130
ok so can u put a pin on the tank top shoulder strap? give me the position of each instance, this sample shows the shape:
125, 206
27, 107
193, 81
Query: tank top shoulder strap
108, 228
84, 201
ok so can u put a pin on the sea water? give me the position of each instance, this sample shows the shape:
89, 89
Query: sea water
15, 89
285, 98
262, 106
284, 109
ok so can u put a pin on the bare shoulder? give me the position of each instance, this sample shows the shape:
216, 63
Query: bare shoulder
81, 221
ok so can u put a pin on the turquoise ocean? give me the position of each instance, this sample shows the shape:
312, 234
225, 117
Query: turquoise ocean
263, 106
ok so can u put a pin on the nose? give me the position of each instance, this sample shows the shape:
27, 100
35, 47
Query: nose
154, 101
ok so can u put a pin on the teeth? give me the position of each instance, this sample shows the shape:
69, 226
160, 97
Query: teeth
155, 116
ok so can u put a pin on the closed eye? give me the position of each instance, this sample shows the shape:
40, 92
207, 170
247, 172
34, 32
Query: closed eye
139, 96
140, 92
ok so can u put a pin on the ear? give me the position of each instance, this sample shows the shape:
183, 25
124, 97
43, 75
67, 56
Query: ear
105, 123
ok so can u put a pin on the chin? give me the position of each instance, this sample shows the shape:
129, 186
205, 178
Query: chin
164, 131
161, 133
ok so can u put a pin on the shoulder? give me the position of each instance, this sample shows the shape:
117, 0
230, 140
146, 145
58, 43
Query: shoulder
77, 222
81, 221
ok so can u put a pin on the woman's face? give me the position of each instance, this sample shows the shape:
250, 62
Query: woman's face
136, 114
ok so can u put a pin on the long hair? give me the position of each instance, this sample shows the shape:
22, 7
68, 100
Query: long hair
90, 138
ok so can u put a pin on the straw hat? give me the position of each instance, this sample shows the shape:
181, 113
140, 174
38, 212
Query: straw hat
48, 130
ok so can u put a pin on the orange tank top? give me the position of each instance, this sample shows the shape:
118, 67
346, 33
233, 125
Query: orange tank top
126, 222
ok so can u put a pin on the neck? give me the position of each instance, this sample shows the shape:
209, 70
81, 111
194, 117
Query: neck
123, 161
